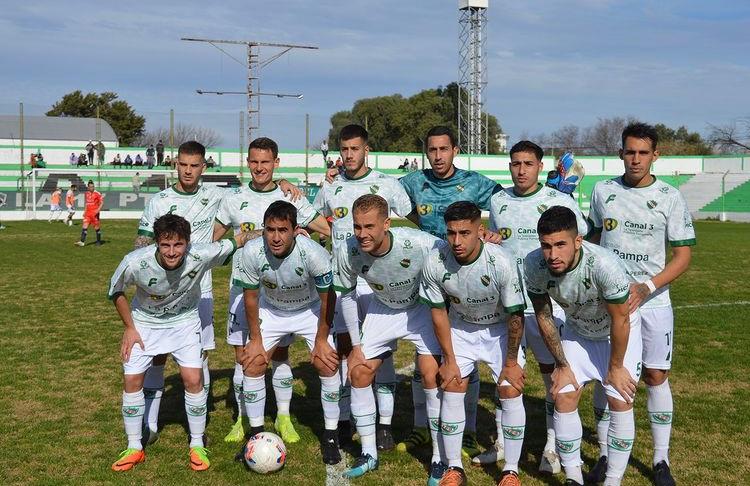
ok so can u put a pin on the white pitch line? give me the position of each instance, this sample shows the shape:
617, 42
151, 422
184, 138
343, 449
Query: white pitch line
715, 304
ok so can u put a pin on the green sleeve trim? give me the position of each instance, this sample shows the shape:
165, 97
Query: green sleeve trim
323, 290
240, 283
113, 296
143, 232
343, 290
431, 304
234, 249
515, 309
619, 300
690, 242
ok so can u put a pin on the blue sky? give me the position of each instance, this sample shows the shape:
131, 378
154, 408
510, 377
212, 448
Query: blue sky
551, 63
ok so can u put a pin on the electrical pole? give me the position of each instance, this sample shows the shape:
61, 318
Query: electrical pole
472, 76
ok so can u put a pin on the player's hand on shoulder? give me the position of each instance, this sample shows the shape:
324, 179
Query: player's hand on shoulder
130, 338
290, 190
331, 175
492, 237
301, 231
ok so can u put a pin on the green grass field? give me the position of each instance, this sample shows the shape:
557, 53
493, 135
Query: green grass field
60, 378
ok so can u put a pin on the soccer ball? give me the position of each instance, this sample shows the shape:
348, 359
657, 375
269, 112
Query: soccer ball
264, 453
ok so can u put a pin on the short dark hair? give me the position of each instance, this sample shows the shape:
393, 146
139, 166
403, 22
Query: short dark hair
264, 143
283, 211
556, 218
441, 130
192, 148
171, 225
353, 131
641, 131
527, 146
462, 210
368, 202
89, 182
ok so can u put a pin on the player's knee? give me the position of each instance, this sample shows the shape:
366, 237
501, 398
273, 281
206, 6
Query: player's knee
362, 376
324, 370
280, 353
160, 360
193, 382
428, 368
566, 402
257, 367
133, 383
653, 377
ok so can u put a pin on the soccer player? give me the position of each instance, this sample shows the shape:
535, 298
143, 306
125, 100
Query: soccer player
54, 205
243, 210
634, 216
485, 292
601, 339
93, 205
70, 203
296, 299
390, 260
431, 191
335, 200
514, 213
164, 318
198, 205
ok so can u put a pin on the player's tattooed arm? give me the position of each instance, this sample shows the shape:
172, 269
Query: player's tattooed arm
515, 334
543, 310
512, 372
141, 241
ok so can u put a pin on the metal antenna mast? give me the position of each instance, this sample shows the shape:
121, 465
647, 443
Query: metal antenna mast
472, 76
254, 65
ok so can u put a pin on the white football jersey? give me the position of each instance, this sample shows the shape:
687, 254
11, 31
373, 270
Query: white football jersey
336, 200
168, 298
481, 292
198, 208
637, 223
290, 283
243, 209
394, 277
584, 291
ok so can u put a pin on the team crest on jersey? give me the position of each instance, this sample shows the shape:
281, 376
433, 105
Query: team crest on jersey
441, 256
454, 300
365, 268
551, 194
269, 285
485, 280
664, 190
144, 264
590, 261
405, 263
460, 188
407, 245
610, 198
192, 273
355, 251
586, 282
265, 267
162, 195
338, 190
340, 212
651, 204
195, 256
505, 233
245, 227
610, 224
377, 286
299, 271
541, 208
204, 201
374, 189
491, 259
423, 209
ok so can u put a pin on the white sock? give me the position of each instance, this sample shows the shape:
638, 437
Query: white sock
282, 379
195, 409
363, 413
385, 384
432, 406
418, 399
345, 399
471, 401
206, 375
153, 389
498, 418
254, 396
568, 432
601, 417
620, 439
330, 390
660, 410
133, 405
237, 386
549, 412
514, 428
452, 423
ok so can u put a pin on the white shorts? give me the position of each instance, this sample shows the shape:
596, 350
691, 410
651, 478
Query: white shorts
533, 339
276, 326
55, 207
473, 343
383, 326
182, 342
589, 360
206, 313
363, 294
237, 330
658, 336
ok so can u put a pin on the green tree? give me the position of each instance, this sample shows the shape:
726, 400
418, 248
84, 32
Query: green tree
680, 141
398, 124
126, 123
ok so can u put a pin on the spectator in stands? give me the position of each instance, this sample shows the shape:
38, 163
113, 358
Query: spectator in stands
405, 166
329, 163
150, 159
32, 161
136, 183
73, 159
414, 167
90, 152
40, 163
160, 153
324, 149
81, 159
339, 165
128, 161
138, 160
117, 161
210, 163
168, 161
100, 152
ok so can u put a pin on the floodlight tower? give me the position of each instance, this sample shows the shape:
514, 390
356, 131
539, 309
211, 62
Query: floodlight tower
472, 76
